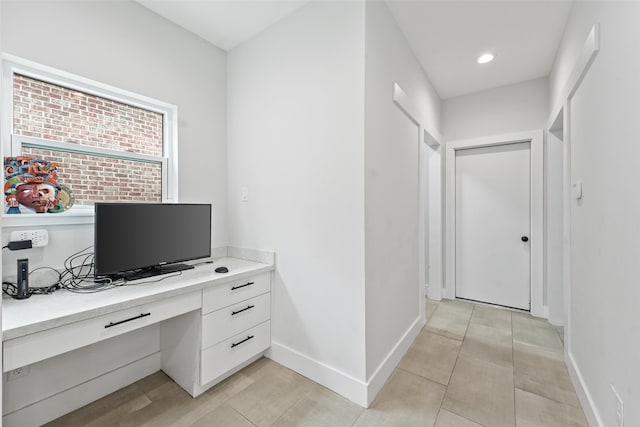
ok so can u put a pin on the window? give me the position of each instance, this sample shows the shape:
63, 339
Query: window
109, 144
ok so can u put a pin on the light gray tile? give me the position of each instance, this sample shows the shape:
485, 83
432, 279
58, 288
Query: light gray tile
536, 332
429, 308
482, 392
449, 419
405, 400
223, 416
537, 411
320, 408
493, 317
488, 344
543, 372
100, 413
458, 305
560, 331
166, 401
130, 402
450, 319
275, 390
431, 356
190, 412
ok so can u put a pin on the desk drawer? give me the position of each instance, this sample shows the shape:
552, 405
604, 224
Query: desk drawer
226, 355
32, 348
219, 296
234, 319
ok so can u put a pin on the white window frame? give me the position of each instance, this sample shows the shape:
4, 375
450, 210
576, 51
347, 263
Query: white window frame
11, 145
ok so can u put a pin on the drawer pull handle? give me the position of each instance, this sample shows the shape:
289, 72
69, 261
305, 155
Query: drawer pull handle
242, 286
233, 313
240, 342
127, 320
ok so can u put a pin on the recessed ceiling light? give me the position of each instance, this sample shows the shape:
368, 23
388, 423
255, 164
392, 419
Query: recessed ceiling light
485, 57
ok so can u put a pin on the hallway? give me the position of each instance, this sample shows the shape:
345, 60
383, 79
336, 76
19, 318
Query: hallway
472, 365
498, 365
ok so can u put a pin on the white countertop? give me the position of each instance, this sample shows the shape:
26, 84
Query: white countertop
41, 312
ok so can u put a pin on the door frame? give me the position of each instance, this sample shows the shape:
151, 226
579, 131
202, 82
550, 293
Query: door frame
536, 140
431, 285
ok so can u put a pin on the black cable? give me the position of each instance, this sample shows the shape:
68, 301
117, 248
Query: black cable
160, 279
10, 289
78, 276
45, 290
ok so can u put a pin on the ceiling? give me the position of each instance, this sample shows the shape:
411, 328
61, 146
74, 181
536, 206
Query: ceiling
446, 36
224, 23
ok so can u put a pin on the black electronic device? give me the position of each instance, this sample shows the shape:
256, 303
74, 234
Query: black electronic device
138, 240
20, 244
22, 282
221, 270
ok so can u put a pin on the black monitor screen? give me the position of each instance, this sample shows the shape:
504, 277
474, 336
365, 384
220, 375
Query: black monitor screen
130, 236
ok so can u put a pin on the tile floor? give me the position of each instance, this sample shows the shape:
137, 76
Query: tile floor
471, 366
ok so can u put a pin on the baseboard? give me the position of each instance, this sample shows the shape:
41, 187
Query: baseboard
340, 382
62, 403
385, 369
351, 388
433, 293
588, 405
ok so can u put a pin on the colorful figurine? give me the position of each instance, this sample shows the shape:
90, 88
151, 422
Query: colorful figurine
33, 184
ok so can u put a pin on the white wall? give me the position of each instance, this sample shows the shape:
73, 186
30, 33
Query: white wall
296, 141
507, 109
603, 122
392, 178
125, 45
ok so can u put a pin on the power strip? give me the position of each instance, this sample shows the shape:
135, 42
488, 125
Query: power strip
39, 238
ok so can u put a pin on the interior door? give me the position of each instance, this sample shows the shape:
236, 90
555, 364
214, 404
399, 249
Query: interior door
492, 225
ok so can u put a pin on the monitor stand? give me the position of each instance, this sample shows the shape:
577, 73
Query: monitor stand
155, 271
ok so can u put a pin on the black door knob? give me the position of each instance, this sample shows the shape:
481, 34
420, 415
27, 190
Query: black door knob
524, 238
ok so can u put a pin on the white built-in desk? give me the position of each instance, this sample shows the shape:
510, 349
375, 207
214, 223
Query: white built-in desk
212, 324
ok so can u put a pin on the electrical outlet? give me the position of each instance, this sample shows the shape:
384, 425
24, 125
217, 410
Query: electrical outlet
38, 238
244, 194
18, 373
619, 407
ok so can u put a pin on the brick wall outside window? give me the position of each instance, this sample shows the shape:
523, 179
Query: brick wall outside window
47, 111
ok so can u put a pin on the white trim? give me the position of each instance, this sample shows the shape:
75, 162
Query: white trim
17, 141
586, 400
559, 123
590, 49
334, 379
430, 171
382, 373
402, 100
537, 235
344, 384
29, 219
15, 65
566, 224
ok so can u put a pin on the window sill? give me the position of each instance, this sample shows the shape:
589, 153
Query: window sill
72, 217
